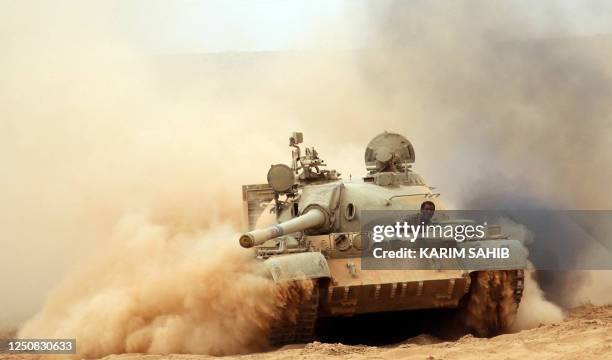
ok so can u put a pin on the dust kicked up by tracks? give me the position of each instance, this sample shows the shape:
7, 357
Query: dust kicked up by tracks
586, 334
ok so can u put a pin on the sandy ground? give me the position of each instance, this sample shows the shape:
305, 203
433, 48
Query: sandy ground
585, 334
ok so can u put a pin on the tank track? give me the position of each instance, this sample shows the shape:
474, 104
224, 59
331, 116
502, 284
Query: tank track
492, 303
518, 284
302, 328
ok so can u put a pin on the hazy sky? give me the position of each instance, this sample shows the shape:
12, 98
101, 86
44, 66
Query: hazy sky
257, 25
240, 25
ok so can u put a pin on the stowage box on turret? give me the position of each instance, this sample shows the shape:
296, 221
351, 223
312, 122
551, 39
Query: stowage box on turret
305, 225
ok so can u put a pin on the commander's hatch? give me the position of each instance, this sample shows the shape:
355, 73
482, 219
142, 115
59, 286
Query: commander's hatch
254, 199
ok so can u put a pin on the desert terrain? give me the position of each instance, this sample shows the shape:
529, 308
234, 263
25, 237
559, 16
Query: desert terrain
586, 333
114, 152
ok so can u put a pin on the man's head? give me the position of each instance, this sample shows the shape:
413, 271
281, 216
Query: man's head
427, 210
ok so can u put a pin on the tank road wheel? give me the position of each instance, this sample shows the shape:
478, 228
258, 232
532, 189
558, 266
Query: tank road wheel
296, 326
492, 303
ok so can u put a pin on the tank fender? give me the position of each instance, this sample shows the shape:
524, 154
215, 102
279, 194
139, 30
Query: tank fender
300, 266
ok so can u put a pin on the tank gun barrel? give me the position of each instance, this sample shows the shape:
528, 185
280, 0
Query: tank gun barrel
311, 219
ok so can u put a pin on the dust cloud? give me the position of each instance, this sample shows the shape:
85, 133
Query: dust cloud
517, 110
159, 290
534, 309
88, 136
122, 170
120, 198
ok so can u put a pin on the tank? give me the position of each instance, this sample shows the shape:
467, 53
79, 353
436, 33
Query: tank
305, 225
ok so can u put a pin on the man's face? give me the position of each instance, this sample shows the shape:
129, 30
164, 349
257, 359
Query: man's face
427, 211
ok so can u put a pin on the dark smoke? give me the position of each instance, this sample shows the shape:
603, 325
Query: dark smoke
519, 113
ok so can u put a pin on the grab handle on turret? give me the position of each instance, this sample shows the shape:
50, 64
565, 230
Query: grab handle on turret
313, 218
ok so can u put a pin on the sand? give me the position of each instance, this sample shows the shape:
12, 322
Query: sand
585, 334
